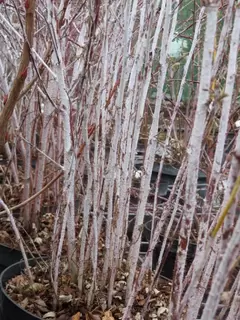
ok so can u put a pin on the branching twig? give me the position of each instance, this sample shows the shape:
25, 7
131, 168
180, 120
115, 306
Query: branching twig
19, 81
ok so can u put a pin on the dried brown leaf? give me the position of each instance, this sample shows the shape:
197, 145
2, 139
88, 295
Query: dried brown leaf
76, 316
41, 305
91, 316
108, 316
24, 303
50, 315
141, 302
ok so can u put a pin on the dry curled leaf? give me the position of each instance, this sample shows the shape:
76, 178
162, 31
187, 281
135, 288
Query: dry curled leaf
138, 316
49, 315
24, 303
91, 316
19, 281
141, 302
76, 316
162, 310
34, 288
108, 316
4, 236
41, 305
38, 240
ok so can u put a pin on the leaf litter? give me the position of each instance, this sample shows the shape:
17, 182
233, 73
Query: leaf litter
37, 297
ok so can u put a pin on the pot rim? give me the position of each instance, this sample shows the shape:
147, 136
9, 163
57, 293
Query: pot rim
8, 247
2, 283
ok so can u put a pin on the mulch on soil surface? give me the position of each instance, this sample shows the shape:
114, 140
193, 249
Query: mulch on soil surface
37, 298
37, 242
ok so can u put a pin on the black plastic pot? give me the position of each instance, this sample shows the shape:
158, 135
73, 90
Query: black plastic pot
170, 255
8, 256
9, 309
169, 258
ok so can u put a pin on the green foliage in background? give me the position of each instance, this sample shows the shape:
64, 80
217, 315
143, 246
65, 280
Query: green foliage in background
179, 50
